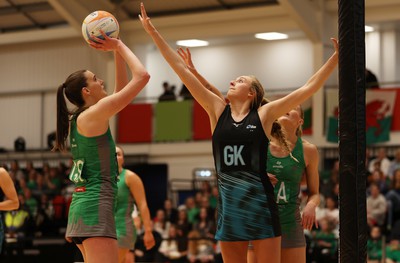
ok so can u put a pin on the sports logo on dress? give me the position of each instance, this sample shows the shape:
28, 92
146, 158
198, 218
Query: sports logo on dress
251, 127
76, 171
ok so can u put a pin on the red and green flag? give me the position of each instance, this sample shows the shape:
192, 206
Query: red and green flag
379, 105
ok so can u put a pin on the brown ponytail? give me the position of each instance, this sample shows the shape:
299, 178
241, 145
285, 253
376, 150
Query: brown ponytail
62, 120
299, 131
72, 89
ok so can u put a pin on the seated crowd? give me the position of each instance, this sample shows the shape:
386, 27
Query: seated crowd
185, 232
383, 206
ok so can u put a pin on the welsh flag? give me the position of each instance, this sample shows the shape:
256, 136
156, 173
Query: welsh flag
378, 109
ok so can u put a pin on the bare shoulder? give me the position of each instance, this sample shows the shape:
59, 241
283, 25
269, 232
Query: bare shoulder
263, 111
3, 173
309, 145
309, 148
4, 176
131, 177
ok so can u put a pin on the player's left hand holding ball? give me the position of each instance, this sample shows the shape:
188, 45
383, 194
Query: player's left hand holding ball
106, 44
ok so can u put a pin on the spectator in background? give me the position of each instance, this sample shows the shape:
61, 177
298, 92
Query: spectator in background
371, 81
54, 182
330, 211
141, 254
393, 197
174, 248
41, 185
45, 168
204, 225
184, 93
31, 182
15, 172
200, 250
44, 221
205, 203
182, 223
383, 159
31, 202
161, 225
325, 246
205, 188
377, 177
395, 164
374, 245
19, 223
376, 207
393, 251
168, 93
191, 209
214, 197
198, 197
29, 167
326, 186
171, 213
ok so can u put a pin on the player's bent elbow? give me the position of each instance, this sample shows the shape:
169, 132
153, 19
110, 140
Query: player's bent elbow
15, 205
145, 76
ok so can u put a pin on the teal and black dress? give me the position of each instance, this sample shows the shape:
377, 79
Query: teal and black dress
246, 206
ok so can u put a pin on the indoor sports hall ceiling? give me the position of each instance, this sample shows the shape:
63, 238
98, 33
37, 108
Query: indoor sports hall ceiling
18, 16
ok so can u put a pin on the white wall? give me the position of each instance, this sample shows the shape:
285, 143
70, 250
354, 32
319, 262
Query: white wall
36, 70
30, 75
278, 65
43, 66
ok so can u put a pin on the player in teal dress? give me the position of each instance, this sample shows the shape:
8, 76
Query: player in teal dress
130, 192
91, 224
245, 190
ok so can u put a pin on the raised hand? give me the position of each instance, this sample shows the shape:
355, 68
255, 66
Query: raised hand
187, 57
106, 44
147, 25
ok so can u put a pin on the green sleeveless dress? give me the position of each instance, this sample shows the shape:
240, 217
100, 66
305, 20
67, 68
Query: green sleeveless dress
126, 231
287, 190
94, 172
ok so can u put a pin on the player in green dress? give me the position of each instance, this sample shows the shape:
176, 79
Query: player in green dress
286, 172
130, 192
91, 224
